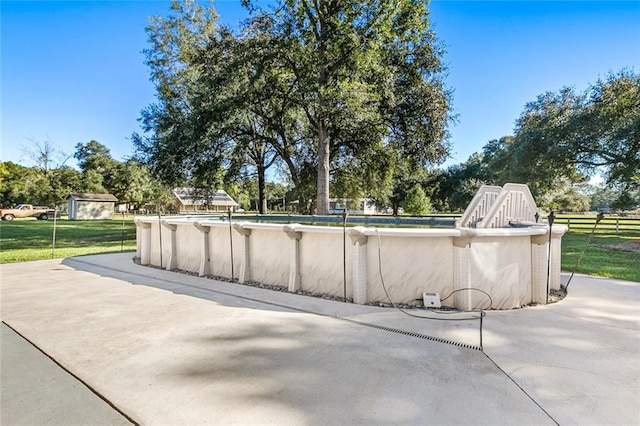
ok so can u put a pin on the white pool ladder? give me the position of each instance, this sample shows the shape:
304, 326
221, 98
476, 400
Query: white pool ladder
496, 207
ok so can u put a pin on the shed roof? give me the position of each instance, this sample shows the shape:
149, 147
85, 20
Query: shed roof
199, 197
85, 196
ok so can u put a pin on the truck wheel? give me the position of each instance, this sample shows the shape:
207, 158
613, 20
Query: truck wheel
43, 216
7, 217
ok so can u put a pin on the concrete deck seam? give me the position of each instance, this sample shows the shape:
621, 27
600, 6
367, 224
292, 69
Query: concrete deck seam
521, 388
408, 333
79, 379
362, 323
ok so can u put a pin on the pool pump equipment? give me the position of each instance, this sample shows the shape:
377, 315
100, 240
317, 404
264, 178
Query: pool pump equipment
431, 300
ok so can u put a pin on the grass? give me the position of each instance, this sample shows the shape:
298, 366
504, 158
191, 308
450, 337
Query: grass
28, 239
600, 261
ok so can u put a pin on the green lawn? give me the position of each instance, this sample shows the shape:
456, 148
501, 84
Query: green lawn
598, 260
30, 239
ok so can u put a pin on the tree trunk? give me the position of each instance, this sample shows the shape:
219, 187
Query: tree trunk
324, 140
323, 169
262, 206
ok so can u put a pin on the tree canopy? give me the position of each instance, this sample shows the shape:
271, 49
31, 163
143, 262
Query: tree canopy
560, 140
347, 100
130, 181
563, 133
339, 87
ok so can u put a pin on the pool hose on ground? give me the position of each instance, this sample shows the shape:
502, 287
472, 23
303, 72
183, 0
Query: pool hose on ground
599, 217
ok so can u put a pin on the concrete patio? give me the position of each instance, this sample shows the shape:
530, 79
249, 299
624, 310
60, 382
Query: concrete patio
100, 340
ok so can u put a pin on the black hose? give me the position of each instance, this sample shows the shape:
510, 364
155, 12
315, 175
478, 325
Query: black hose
481, 313
599, 217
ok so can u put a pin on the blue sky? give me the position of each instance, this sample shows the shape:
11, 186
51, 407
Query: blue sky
73, 71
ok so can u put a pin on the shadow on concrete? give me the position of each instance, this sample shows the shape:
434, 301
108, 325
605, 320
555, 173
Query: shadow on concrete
577, 359
458, 332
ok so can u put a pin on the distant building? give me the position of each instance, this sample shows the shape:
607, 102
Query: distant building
193, 200
365, 206
85, 206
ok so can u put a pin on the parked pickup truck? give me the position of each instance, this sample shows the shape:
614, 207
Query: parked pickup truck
26, 210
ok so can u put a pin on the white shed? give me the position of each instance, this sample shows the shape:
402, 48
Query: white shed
84, 206
195, 200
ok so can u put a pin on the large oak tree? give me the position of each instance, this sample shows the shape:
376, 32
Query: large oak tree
327, 84
368, 78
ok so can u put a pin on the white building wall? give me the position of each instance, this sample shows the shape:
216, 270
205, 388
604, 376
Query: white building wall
71, 210
90, 210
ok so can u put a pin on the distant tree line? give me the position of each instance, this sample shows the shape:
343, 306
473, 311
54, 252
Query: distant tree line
48, 181
339, 100
561, 140
346, 100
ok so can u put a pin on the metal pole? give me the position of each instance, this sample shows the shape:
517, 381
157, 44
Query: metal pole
231, 245
481, 345
345, 215
122, 235
53, 240
550, 219
160, 234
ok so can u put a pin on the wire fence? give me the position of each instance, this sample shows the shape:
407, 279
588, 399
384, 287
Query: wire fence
609, 224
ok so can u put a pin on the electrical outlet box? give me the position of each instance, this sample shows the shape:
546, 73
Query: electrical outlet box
431, 300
